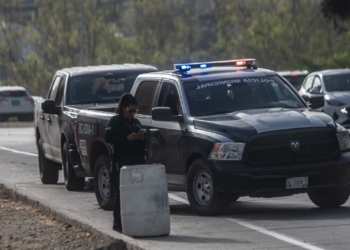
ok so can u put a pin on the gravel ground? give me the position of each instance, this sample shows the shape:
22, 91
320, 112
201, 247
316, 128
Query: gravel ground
23, 227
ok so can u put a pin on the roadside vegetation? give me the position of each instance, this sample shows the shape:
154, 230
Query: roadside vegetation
280, 34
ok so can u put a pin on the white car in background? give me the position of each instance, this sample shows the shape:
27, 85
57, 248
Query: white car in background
15, 101
334, 85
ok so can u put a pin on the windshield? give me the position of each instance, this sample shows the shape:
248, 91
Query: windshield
337, 82
229, 95
98, 88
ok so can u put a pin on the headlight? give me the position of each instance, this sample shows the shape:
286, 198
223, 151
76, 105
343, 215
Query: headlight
227, 151
343, 137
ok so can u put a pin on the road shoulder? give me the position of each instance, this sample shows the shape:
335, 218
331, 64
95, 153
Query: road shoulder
118, 241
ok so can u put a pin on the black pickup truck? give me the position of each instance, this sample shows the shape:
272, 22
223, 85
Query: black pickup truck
225, 130
73, 89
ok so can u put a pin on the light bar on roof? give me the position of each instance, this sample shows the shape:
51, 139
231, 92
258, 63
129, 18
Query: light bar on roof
204, 65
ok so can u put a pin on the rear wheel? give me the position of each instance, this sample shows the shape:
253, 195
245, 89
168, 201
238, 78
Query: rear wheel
329, 198
102, 183
48, 169
71, 180
203, 197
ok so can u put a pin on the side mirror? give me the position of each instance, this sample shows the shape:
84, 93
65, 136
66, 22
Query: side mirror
306, 97
165, 114
316, 101
48, 107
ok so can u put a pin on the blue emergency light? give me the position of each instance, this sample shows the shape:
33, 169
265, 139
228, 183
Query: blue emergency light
203, 65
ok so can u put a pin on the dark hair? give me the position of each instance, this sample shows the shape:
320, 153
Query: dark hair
126, 100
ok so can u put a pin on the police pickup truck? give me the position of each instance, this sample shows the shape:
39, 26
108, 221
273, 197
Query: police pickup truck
72, 89
225, 130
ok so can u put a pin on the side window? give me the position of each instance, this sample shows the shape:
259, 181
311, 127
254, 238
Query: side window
59, 96
169, 97
308, 83
54, 88
317, 85
145, 96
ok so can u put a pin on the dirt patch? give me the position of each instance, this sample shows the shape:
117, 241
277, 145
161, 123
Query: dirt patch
23, 227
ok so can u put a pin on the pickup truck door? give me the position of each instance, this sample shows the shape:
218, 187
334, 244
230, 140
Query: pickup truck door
145, 96
45, 120
54, 121
166, 135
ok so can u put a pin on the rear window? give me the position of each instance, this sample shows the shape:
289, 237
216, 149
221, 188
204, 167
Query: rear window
13, 93
98, 88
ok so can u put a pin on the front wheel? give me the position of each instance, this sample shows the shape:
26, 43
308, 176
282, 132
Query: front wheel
49, 170
102, 183
203, 197
71, 180
329, 198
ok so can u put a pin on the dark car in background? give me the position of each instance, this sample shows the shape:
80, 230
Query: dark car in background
296, 77
15, 101
334, 85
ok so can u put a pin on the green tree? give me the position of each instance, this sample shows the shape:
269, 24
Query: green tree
336, 11
280, 34
11, 40
55, 35
168, 32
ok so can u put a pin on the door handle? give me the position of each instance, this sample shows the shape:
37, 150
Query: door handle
48, 119
42, 117
154, 131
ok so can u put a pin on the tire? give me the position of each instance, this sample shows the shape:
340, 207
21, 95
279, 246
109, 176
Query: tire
102, 183
48, 169
71, 180
329, 198
203, 198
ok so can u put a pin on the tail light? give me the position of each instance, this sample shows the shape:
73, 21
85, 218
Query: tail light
2, 100
30, 99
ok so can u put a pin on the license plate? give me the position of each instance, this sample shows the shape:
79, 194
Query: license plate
15, 103
297, 182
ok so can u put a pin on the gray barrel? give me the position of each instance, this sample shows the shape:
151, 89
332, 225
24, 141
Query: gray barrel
144, 201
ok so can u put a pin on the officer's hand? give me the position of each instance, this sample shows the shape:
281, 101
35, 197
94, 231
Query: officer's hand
134, 137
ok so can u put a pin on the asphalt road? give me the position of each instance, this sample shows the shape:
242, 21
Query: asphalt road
279, 223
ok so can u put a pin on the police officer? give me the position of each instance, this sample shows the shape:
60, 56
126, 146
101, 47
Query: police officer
122, 131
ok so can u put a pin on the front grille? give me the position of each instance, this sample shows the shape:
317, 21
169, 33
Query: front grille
273, 149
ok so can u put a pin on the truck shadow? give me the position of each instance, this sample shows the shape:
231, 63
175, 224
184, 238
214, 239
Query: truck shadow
88, 188
280, 211
274, 211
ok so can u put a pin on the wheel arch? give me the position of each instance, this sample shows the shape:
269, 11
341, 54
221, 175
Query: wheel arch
97, 149
192, 157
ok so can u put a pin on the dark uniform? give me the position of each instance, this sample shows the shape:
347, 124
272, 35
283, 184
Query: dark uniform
125, 153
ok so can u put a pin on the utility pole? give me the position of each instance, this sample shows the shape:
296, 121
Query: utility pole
82, 32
